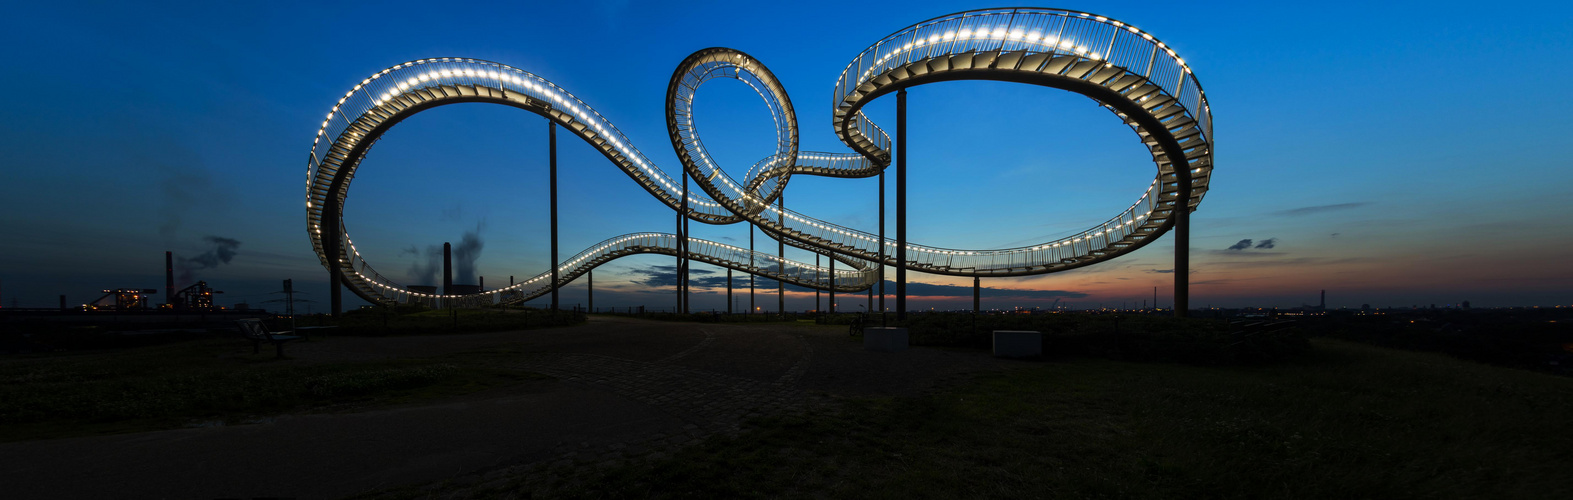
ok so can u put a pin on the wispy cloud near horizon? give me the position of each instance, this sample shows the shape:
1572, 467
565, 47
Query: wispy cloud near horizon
1316, 209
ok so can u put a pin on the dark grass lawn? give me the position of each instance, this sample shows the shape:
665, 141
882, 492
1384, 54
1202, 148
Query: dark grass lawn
204, 382
379, 322
1346, 420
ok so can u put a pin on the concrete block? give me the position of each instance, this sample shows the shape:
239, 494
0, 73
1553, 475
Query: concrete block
885, 339
1017, 344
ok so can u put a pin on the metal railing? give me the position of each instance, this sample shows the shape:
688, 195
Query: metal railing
1092, 43
1051, 31
364, 277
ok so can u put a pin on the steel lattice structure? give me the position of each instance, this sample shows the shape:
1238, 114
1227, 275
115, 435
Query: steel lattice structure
1122, 68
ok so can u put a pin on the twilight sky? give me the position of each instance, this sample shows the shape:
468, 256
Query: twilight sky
1407, 153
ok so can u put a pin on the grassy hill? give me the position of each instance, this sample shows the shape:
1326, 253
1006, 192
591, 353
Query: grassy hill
1345, 420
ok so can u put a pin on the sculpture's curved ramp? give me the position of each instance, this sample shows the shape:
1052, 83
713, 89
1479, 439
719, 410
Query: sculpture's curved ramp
1121, 67
1125, 69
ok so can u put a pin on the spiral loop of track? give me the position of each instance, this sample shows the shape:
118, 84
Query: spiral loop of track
1124, 69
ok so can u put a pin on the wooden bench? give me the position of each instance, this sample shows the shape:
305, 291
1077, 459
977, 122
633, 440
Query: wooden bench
253, 330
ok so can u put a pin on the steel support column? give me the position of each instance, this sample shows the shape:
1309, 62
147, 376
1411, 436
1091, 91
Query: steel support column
687, 262
901, 205
729, 290
780, 252
332, 236
335, 275
1182, 239
977, 295
751, 265
552, 136
818, 304
590, 281
682, 247
832, 285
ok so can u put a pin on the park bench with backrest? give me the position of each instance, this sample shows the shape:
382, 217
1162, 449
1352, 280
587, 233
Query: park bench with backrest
254, 331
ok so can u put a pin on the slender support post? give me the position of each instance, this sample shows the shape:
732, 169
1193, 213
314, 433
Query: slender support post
682, 245
331, 231
881, 248
289, 301
977, 293
901, 205
590, 280
832, 285
447, 270
169, 282
818, 304
552, 136
687, 262
781, 254
729, 290
751, 306
335, 292
1182, 239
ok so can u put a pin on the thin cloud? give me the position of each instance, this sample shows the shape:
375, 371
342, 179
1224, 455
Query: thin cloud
1240, 247
1311, 210
1282, 260
1248, 254
664, 276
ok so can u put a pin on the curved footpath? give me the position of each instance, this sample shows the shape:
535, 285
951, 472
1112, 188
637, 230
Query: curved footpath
623, 388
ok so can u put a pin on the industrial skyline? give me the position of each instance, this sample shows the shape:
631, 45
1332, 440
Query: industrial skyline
1347, 177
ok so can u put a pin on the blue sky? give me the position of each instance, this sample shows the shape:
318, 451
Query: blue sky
1406, 153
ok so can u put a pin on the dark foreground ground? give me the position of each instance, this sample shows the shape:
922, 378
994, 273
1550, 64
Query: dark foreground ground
637, 408
620, 387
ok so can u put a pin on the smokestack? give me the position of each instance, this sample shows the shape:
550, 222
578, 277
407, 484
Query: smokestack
169, 278
447, 268
62, 302
1324, 300
480, 282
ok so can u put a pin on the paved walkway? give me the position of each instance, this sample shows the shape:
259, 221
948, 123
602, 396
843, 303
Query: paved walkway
624, 387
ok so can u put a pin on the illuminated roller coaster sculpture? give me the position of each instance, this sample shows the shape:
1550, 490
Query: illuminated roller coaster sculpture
1122, 68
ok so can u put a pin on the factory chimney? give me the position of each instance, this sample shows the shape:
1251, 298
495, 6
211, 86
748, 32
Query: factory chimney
1323, 306
447, 268
480, 282
169, 278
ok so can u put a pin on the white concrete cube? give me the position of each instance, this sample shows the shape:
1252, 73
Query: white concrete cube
1017, 344
885, 339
